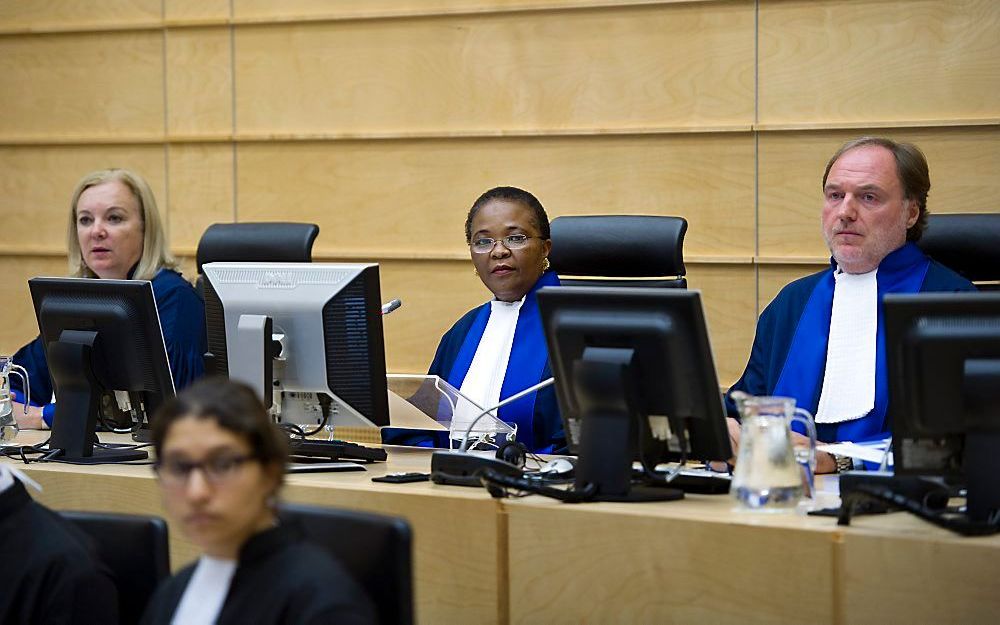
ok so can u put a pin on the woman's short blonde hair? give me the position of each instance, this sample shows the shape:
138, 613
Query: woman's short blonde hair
155, 250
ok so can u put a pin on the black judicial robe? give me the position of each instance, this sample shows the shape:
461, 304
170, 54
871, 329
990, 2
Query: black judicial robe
50, 572
280, 580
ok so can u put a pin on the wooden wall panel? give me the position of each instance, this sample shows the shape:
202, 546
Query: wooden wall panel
964, 165
187, 266
64, 14
19, 325
671, 65
82, 85
773, 277
317, 9
201, 191
199, 82
434, 295
728, 295
830, 61
36, 184
411, 197
178, 11
424, 92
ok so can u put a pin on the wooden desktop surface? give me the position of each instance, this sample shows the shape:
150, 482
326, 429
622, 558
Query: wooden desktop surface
534, 560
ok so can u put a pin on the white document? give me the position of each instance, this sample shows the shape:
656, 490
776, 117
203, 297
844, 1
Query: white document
869, 452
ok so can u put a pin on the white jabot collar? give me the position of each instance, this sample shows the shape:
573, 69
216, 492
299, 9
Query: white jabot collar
484, 380
849, 379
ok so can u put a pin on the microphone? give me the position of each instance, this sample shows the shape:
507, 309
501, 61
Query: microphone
462, 468
514, 397
391, 306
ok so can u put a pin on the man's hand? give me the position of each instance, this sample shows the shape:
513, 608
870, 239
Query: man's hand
825, 463
31, 421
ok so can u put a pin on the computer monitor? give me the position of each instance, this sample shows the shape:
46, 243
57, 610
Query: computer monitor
943, 360
311, 331
100, 337
635, 380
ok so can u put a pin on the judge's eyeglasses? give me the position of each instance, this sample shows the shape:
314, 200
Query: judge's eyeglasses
485, 245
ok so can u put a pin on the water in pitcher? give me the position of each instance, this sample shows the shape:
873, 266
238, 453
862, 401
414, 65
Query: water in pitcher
771, 474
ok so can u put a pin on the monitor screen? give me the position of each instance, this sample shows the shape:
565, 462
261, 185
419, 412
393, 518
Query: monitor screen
635, 378
100, 336
312, 331
943, 360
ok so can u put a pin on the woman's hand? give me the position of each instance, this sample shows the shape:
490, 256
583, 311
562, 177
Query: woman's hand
31, 421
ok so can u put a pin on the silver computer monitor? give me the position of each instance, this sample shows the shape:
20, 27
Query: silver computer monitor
301, 334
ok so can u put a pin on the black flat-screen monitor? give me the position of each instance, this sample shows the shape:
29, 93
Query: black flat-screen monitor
635, 380
101, 337
312, 331
943, 360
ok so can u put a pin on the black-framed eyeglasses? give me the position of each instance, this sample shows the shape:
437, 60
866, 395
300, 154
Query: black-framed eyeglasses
485, 245
217, 470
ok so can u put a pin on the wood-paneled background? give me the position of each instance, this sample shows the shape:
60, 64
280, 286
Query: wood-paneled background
382, 120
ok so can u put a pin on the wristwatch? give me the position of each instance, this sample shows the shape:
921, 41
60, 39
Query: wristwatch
844, 463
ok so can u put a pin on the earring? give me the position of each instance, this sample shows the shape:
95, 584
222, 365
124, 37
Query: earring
546, 264
475, 272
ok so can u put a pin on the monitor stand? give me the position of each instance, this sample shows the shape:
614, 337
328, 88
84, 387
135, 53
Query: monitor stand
75, 421
981, 466
101, 455
609, 430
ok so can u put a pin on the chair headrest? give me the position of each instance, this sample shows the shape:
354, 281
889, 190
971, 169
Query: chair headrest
257, 241
968, 243
618, 245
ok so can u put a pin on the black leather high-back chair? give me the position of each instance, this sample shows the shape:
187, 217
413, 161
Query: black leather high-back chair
135, 550
647, 248
374, 548
968, 243
263, 242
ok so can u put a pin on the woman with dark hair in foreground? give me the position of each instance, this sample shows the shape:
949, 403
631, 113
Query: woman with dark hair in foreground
220, 464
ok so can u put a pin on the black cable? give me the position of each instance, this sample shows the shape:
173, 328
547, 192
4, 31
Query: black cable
491, 478
530, 455
547, 478
961, 525
108, 401
292, 430
19, 451
650, 473
317, 429
325, 407
109, 425
50, 455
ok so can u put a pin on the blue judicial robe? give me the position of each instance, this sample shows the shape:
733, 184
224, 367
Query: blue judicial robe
788, 357
539, 424
182, 317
